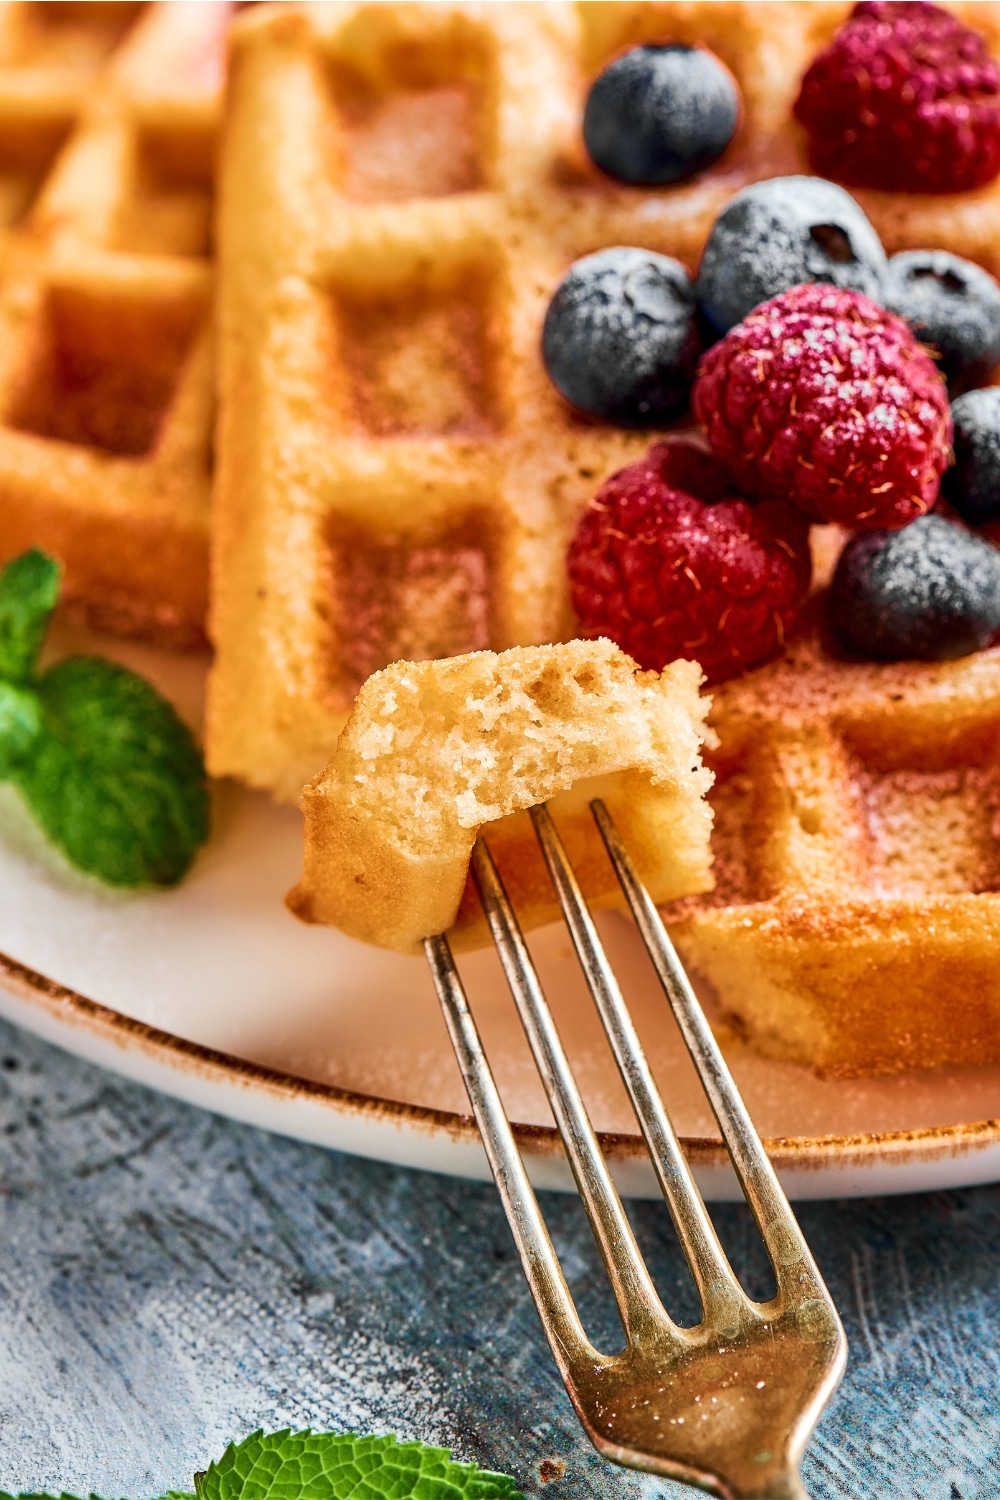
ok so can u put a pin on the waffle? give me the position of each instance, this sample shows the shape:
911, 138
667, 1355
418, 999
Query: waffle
403, 188
108, 121
855, 921
433, 751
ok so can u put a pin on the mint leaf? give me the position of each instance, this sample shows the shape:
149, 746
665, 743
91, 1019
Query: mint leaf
35, 1495
340, 1466
40, 1495
29, 587
20, 723
107, 767
63, 1495
113, 776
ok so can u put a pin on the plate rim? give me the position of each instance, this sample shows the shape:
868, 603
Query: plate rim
811, 1153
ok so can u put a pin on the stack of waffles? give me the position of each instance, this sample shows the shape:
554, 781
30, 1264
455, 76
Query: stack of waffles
109, 116
402, 188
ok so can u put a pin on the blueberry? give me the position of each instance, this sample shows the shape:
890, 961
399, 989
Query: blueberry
950, 304
927, 593
659, 114
972, 484
774, 235
621, 337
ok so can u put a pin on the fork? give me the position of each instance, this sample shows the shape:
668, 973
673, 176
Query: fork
729, 1405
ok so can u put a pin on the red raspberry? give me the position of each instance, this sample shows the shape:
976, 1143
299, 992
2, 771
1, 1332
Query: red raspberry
668, 562
905, 98
822, 398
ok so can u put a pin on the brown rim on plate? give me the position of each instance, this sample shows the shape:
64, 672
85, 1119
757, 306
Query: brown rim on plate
801, 1152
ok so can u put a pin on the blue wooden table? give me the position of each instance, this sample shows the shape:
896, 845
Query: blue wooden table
169, 1280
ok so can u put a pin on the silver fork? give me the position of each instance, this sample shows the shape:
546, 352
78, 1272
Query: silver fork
727, 1406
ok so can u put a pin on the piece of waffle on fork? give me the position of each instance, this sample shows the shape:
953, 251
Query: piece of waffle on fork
108, 124
434, 751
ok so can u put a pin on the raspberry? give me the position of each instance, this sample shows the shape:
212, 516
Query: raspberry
668, 562
905, 98
822, 398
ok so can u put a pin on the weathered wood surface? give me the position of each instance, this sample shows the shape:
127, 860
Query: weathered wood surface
169, 1280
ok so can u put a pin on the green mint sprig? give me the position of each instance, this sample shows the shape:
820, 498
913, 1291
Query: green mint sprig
110, 772
41, 1495
336, 1466
331, 1466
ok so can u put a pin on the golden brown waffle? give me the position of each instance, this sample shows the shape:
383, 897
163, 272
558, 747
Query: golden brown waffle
108, 124
403, 188
855, 922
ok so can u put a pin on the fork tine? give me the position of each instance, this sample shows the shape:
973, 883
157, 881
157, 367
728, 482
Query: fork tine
534, 1246
638, 1303
721, 1294
794, 1268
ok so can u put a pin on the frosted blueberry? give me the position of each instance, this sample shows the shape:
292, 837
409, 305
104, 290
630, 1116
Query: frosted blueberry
620, 339
952, 305
777, 234
972, 484
660, 113
930, 592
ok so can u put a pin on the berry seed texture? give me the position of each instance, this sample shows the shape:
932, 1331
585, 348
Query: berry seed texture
668, 562
822, 398
905, 98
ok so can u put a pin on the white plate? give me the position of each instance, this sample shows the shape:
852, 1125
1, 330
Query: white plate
215, 993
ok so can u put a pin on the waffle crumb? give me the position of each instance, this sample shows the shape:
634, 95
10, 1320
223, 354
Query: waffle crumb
435, 751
